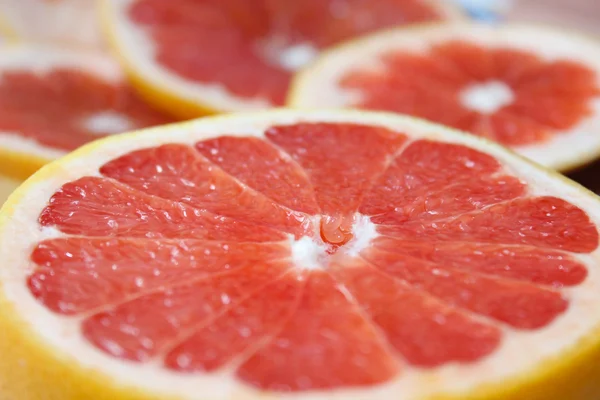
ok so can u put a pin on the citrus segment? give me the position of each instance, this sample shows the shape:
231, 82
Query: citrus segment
54, 100
94, 206
525, 87
540, 266
150, 324
326, 344
250, 49
135, 264
433, 180
237, 332
261, 166
121, 267
425, 331
546, 222
179, 173
495, 297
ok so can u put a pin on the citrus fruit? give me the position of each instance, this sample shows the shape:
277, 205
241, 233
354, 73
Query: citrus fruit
534, 89
291, 255
68, 22
53, 100
197, 57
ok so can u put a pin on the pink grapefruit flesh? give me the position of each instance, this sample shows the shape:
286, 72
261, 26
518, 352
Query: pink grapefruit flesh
544, 98
187, 255
251, 48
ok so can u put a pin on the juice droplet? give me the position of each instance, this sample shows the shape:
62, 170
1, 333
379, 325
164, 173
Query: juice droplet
336, 230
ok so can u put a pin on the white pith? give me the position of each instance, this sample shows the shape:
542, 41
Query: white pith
317, 86
488, 97
39, 59
137, 49
311, 253
279, 53
519, 352
108, 121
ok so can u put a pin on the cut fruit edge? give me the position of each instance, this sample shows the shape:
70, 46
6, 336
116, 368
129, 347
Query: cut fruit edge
317, 84
19, 156
560, 361
171, 93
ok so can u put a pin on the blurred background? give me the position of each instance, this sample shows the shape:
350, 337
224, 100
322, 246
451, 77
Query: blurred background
32, 19
583, 15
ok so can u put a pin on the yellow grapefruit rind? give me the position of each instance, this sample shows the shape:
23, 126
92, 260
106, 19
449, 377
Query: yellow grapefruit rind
19, 165
295, 98
31, 370
161, 95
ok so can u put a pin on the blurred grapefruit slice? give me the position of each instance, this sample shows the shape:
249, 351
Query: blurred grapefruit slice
53, 100
197, 57
291, 255
65, 22
534, 89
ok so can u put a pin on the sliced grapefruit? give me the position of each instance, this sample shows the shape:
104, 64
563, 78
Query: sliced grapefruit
197, 57
534, 89
54, 100
67, 22
290, 255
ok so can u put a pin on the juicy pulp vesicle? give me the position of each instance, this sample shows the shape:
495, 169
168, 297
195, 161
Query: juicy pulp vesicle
421, 254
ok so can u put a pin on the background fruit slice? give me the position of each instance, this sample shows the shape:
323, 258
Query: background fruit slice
53, 100
534, 89
222, 258
222, 55
66, 22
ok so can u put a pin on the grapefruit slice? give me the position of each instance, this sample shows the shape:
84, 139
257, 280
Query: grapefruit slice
291, 255
534, 89
66, 22
198, 57
53, 100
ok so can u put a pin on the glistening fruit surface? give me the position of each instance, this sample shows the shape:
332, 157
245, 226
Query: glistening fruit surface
315, 255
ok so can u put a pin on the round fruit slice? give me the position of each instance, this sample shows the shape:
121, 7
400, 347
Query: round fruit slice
197, 57
68, 22
290, 255
534, 89
54, 100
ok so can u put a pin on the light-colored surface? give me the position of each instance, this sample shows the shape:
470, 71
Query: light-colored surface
581, 15
522, 357
318, 85
68, 22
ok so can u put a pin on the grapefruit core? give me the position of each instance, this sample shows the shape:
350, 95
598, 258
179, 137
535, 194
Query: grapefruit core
197, 57
53, 100
534, 89
324, 255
